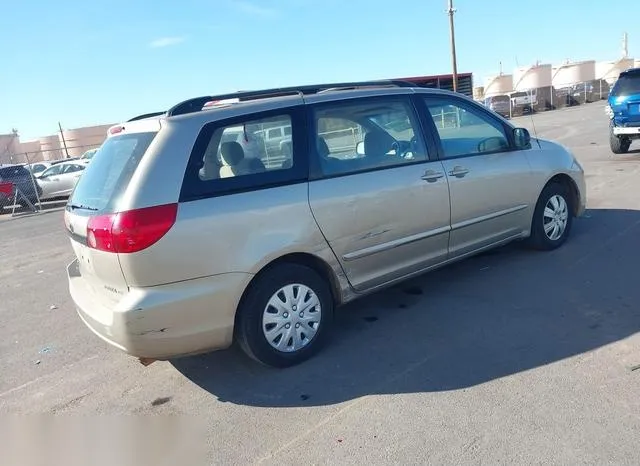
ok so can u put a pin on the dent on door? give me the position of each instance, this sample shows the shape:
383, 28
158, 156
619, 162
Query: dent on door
384, 225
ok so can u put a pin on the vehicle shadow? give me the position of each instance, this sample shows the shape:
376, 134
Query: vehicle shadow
488, 317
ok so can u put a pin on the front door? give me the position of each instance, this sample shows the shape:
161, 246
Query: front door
489, 181
380, 201
50, 181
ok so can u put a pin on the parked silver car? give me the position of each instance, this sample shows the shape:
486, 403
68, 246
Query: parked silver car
58, 180
183, 244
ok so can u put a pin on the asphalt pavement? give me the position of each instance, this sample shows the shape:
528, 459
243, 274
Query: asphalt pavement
511, 357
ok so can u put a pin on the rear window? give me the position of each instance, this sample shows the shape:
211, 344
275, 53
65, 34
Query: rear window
106, 178
626, 85
14, 172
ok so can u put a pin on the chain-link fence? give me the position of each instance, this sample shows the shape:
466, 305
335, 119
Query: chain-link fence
542, 99
47, 155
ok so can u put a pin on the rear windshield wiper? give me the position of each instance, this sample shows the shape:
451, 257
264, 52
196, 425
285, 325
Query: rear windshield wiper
81, 206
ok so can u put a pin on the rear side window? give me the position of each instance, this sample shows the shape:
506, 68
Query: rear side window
105, 179
247, 149
626, 85
246, 153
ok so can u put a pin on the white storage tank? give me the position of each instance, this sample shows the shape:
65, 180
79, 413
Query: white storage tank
571, 73
51, 148
636, 63
30, 151
532, 77
610, 70
498, 85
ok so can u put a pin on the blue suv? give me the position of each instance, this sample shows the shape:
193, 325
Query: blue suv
624, 111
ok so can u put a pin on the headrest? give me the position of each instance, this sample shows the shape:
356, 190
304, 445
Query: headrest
231, 153
322, 147
377, 143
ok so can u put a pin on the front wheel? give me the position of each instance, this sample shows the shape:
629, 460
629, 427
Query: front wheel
552, 219
286, 316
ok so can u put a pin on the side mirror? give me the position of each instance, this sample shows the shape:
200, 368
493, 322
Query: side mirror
360, 148
522, 138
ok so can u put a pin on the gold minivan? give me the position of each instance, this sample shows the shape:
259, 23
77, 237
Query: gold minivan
187, 240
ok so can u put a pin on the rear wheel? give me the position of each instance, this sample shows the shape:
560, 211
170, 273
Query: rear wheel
618, 144
286, 316
552, 219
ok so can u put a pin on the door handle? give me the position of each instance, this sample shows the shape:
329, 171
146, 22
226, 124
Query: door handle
432, 175
458, 171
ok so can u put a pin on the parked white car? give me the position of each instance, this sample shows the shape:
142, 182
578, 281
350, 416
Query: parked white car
38, 167
59, 180
88, 155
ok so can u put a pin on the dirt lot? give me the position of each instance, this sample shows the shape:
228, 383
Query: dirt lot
509, 357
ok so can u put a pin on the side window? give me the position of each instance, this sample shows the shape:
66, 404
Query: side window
366, 135
244, 149
72, 168
464, 130
55, 170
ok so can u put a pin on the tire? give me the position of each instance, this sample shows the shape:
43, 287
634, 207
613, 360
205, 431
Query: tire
619, 145
540, 239
255, 306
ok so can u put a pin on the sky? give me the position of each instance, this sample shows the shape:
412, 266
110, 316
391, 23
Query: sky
86, 63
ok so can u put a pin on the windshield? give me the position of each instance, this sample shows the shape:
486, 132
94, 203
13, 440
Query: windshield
397, 124
110, 171
626, 85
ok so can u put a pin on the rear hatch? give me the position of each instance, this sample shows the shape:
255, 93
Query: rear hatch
624, 99
500, 104
93, 209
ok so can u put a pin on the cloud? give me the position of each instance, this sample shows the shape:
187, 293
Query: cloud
256, 10
166, 42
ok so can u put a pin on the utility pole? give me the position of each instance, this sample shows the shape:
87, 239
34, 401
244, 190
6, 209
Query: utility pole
64, 142
454, 61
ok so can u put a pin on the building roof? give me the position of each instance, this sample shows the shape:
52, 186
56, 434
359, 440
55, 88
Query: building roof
435, 77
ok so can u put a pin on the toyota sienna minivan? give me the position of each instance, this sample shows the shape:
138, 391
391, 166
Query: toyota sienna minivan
185, 245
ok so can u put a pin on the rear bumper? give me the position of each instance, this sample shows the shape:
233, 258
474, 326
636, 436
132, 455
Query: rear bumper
165, 321
631, 130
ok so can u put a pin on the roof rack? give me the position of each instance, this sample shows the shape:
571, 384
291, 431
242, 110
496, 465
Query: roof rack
195, 104
146, 115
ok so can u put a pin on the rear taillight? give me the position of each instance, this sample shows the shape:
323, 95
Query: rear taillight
130, 231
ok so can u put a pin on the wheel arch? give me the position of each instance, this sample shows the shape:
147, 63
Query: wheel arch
311, 261
570, 184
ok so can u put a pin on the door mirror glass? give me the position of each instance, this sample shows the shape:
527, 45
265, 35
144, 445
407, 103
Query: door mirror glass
522, 138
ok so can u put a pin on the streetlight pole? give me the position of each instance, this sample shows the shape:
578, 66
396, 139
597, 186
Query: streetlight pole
454, 61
